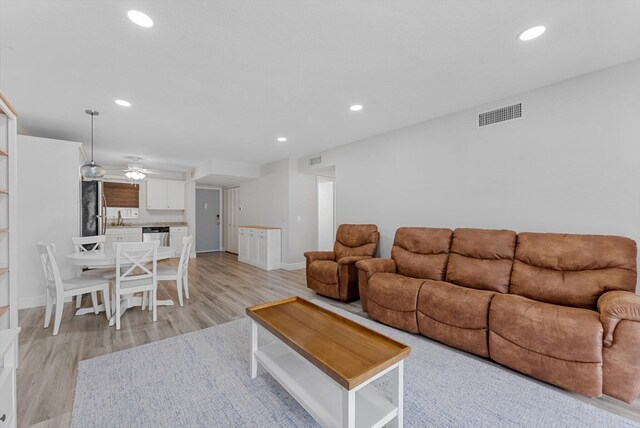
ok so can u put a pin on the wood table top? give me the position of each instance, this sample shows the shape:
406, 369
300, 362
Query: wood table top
344, 350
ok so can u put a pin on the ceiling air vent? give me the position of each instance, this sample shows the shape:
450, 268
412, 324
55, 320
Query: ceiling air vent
500, 115
315, 161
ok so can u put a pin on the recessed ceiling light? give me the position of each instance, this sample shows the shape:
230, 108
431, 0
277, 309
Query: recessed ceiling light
123, 103
282, 139
140, 18
532, 33
355, 107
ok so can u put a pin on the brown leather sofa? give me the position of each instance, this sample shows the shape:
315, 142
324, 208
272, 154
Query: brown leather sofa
561, 308
333, 273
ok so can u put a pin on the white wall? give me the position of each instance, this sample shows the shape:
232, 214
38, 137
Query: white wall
278, 199
326, 214
571, 164
48, 210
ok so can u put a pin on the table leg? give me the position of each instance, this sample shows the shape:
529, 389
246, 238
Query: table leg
254, 349
348, 408
84, 311
397, 385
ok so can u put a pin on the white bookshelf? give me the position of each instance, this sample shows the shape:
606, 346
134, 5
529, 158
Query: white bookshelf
8, 239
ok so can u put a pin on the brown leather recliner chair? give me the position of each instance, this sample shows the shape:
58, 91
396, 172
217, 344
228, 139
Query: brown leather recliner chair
333, 273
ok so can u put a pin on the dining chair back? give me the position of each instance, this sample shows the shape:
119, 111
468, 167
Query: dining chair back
57, 289
89, 243
179, 274
133, 274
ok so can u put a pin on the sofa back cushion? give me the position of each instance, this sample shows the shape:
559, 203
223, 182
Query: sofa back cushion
572, 270
421, 252
356, 240
482, 259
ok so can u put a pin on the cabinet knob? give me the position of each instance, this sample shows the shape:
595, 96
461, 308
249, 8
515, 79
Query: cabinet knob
3, 418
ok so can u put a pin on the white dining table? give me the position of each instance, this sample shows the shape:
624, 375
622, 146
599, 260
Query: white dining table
107, 259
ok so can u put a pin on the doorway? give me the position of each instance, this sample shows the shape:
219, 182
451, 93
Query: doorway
208, 224
326, 213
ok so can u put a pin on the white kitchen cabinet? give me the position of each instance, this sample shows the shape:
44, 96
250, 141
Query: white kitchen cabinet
122, 234
165, 195
175, 238
259, 246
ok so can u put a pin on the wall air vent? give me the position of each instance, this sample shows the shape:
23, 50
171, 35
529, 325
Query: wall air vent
315, 161
500, 115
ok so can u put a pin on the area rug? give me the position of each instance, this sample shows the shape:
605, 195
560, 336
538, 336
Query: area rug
201, 379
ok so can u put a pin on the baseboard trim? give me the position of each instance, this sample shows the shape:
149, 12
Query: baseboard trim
293, 266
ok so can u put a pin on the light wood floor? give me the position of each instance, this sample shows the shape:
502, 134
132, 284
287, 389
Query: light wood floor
220, 290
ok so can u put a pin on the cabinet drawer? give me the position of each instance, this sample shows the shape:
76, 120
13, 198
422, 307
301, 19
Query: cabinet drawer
124, 231
181, 229
6, 395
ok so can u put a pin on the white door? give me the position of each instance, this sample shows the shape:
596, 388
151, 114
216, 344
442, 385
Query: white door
156, 195
262, 249
175, 195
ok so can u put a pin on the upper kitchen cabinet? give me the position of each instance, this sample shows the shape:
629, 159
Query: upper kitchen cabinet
165, 195
121, 195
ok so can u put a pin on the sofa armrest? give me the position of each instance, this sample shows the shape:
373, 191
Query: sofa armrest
352, 259
312, 256
371, 266
615, 306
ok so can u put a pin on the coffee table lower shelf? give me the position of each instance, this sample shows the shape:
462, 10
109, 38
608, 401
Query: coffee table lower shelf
320, 395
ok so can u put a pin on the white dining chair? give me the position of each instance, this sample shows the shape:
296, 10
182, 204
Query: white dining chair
179, 274
90, 244
58, 289
133, 274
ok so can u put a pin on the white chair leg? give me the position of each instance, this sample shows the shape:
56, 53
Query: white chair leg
58, 318
154, 301
94, 299
186, 284
144, 300
47, 310
106, 302
117, 301
78, 301
179, 289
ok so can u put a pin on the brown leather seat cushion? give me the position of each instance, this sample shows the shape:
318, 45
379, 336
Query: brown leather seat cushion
558, 344
482, 258
422, 252
455, 315
393, 299
572, 270
325, 271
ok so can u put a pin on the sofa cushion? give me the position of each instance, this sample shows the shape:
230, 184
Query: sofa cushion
422, 252
572, 270
325, 271
557, 344
356, 240
457, 316
561, 332
393, 298
482, 259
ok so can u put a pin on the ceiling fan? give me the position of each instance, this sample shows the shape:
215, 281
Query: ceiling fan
135, 171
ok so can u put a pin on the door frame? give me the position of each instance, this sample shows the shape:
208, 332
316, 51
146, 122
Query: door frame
219, 189
335, 226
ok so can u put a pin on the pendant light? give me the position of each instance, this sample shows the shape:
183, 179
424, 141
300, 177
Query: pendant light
92, 171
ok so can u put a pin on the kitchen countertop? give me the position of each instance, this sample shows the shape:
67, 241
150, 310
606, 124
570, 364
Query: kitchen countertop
155, 224
260, 227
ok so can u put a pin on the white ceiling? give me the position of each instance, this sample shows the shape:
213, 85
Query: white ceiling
220, 80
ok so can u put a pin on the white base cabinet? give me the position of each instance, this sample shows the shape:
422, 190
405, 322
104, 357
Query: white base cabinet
122, 234
175, 238
259, 246
8, 354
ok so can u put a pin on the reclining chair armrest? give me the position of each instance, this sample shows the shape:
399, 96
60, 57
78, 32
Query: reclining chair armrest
352, 259
615, 306
312, 256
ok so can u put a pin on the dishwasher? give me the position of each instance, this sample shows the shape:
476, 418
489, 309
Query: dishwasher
156, 233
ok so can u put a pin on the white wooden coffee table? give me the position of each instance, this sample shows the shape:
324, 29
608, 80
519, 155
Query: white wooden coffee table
328, 363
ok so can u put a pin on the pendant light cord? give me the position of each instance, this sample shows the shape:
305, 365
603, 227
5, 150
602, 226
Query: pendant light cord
92, 138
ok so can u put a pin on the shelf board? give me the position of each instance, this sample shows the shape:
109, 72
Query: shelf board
3, 310
3, 153
4, 230
4, 270
5, 191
